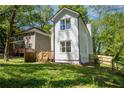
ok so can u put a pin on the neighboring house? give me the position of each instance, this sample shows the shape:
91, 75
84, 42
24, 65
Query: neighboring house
71, 39
32, 40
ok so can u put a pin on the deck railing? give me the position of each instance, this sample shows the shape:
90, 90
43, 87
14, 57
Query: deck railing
23, 50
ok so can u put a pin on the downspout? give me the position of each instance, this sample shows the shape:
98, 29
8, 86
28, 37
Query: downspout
53, 40
79, 41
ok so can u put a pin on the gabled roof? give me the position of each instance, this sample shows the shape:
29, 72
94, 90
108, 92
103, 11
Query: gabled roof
64, 10
34, 29
68, 10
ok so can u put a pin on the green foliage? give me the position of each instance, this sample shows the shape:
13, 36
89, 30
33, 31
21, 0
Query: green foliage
112, 33
108, 29
26, 16
34, 16
18, 74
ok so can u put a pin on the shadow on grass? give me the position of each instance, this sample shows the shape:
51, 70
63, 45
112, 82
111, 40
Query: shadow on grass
35, 83
21, 83
70, 83
29, 67
85, 75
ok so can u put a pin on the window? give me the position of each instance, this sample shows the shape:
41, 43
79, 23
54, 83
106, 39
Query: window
29, 45
65, 24
62, 24
65, 46
68, 23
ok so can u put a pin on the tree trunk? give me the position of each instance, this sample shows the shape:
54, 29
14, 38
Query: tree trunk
99, 47
117, 55
94, 46
10, 29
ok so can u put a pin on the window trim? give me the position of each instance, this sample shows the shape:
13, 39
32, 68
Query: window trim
66, 46
65, 22
62, 24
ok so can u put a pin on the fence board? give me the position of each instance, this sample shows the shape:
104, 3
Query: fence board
105, 59
44, 56
101, 58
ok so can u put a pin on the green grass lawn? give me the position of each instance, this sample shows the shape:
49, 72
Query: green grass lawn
17, 74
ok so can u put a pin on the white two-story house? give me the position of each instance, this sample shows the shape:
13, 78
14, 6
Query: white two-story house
71, 38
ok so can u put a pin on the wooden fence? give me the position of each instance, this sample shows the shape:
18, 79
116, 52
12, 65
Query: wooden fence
101, 59
23, 50
105, 59
44, 56
38, 56
33, 56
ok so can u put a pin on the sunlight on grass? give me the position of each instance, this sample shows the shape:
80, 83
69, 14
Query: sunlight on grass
14, 60
16, 73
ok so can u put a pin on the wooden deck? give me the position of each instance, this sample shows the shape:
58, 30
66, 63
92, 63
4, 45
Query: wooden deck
23, 50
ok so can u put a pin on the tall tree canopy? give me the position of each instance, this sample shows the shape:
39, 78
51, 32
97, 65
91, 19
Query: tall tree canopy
15, 18
112, 33
100, 13
108, 30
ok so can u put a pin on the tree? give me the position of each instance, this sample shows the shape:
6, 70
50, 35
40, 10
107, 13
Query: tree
2, 39
34, 16
114, 60
100, 12
112, 33
112, 36
16, 18
10, 14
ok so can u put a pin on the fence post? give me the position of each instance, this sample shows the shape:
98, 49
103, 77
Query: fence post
113, 65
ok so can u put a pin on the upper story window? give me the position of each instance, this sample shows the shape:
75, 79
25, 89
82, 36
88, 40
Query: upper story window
68, 23
65, 24
62, 24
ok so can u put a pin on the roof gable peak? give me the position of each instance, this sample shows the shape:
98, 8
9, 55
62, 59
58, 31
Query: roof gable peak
64, 10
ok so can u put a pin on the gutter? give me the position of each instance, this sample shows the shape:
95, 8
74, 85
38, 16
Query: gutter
53, 40
79, 41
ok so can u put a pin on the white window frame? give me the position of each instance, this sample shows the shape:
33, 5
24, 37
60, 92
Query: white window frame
65, 24
66, 46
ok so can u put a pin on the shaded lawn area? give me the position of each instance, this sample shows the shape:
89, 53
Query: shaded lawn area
17, 74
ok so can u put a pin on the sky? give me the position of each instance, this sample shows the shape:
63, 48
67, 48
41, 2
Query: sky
92, 14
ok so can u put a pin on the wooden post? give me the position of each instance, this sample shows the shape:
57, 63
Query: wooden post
113, 66
24, 54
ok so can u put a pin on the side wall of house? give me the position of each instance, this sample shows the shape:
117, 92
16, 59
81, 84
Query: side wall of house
42, 43
70, 34
84, 43
52, 38
90, 38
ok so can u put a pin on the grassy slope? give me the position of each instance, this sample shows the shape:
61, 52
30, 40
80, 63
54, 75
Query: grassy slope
16, 73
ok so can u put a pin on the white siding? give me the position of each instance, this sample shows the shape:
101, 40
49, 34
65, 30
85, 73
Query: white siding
84, 47
90, 39
71, 34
